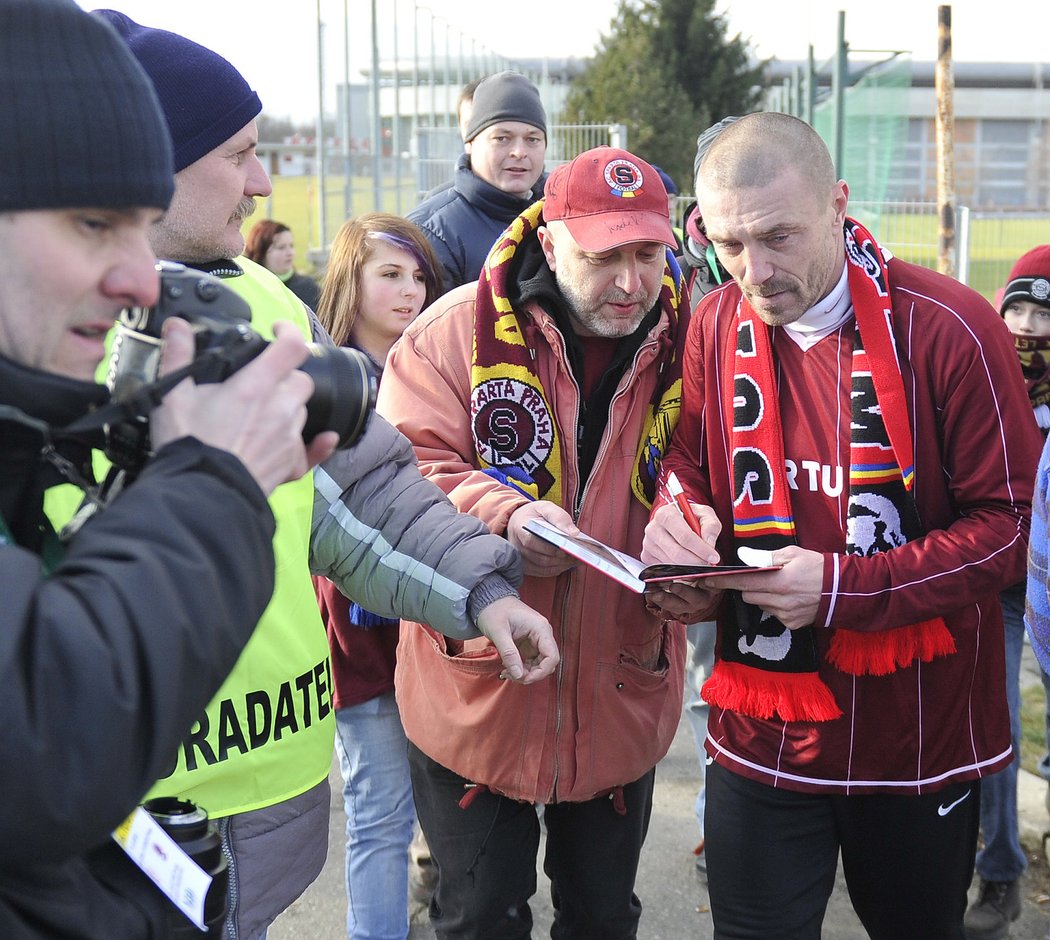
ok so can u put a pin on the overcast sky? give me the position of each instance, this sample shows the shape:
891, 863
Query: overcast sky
274, 42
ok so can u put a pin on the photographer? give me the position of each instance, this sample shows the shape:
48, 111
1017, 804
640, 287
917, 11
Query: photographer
111, 644
259, 756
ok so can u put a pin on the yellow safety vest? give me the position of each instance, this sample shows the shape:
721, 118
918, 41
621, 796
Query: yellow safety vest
268, 733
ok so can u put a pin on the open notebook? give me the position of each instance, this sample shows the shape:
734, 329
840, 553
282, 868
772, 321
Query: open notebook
629, 571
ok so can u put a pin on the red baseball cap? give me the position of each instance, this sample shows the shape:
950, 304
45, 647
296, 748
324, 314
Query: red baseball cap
607, 198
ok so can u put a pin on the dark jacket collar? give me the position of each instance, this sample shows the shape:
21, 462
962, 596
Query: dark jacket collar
485, 197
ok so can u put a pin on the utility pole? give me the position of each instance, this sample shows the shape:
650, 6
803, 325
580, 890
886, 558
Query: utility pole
944, 84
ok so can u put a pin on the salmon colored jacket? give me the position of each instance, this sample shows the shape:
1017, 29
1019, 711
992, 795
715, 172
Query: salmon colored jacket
611, 710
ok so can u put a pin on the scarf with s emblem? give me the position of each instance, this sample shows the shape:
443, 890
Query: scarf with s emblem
516, 437
765, 669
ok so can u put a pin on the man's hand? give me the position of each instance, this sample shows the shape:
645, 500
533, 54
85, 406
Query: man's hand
792, 594
523, 638
684, 601
669, 539
539, 557
257, 414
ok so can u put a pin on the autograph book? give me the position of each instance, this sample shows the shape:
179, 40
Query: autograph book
625, 569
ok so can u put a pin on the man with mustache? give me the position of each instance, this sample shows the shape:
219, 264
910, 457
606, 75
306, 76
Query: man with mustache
259, 756
868, 736
547, 390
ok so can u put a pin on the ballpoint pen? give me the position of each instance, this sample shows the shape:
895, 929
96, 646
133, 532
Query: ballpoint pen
676, 491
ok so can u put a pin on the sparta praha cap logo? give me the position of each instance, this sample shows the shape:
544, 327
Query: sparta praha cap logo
624, 179
512, 427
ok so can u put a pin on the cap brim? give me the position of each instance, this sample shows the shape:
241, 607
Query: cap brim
605, 231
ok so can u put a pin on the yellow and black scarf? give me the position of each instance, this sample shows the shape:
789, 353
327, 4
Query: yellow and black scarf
513, 426
1034, 353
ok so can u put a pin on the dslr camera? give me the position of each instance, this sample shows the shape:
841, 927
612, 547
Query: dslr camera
344, 384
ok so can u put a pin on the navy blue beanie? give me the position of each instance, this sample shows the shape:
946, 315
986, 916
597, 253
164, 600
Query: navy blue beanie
205, 99
665, 178
80, 126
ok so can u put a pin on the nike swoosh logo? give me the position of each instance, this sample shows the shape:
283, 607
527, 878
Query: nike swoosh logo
943, 810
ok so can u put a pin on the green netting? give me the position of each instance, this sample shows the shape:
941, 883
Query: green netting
876, 125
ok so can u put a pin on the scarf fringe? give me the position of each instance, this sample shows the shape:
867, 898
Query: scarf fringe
793, 696
879, 654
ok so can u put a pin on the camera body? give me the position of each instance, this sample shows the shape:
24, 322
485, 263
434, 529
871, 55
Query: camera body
344, 384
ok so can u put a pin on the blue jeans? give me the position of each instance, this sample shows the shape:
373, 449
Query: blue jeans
1002, 858
380, 814
700, 640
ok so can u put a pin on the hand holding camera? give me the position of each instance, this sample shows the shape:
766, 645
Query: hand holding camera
281, 407
257, 414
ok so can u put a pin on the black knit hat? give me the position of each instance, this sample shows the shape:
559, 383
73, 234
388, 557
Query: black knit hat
506, 96
80, 125
205, 99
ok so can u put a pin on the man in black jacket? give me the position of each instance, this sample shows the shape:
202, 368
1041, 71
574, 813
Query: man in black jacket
112, 641
495, 179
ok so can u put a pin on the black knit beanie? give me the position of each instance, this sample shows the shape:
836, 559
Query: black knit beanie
506, 96
80, 125
205, 99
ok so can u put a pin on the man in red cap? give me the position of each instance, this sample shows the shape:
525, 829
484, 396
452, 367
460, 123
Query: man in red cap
548, 390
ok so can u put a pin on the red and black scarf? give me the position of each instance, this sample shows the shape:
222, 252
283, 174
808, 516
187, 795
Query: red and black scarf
764, 669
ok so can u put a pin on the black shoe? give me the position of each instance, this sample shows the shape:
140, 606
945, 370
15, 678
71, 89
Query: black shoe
997, 906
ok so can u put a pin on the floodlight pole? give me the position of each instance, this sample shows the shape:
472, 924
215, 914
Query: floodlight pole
397, 116
348, 157
377, 123
839, 77
320, 131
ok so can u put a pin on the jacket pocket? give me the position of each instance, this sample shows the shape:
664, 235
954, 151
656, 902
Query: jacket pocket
635, 713
456, 710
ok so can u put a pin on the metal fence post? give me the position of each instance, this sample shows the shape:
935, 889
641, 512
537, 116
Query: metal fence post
962, 244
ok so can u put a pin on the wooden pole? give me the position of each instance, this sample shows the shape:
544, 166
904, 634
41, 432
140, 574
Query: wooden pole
944, 84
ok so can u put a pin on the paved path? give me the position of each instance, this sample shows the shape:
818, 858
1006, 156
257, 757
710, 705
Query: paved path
673, 895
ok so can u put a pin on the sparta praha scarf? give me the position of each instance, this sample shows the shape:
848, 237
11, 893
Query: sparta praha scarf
516, 437
765, 669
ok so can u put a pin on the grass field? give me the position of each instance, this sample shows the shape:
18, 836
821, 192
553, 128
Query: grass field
996, 241
1033, 727
294, 202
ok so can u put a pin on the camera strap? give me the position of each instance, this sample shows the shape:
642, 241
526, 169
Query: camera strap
91, 426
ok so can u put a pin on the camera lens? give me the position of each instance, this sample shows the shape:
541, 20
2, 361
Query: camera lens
188, 825
344, 392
